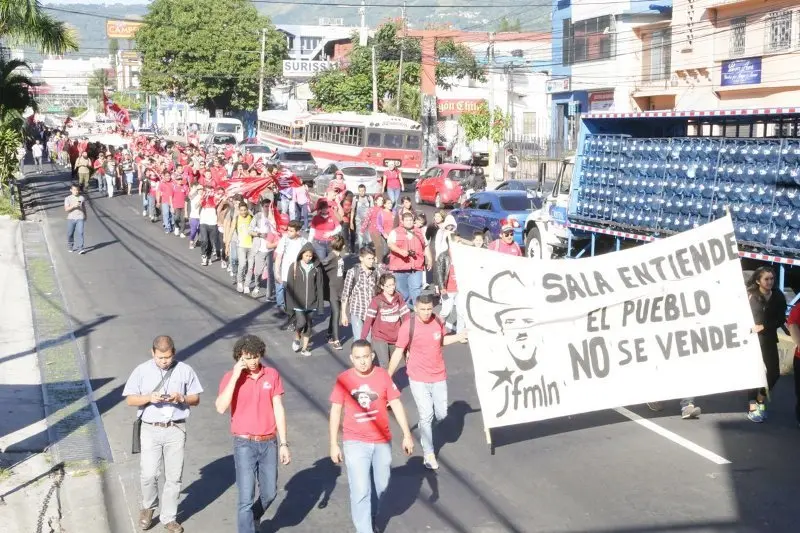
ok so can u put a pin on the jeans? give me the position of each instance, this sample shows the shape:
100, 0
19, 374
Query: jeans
321, 248
166, 217
359, 459
254, 461
409, 284
194, 228
265, 261
394, 195
129, 177
178, 219
431, 399
101, 182
247, 260
383, 351
356, 325
38, 162
285, 204
75, 234
302, 215
162, 445
151, 206
771, 357
453, 319
280, 295
110, 185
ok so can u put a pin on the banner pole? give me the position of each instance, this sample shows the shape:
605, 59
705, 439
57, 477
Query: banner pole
488, 432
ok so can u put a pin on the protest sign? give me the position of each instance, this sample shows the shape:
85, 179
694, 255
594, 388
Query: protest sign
668, 319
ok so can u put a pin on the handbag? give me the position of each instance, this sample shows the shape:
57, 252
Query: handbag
136, 443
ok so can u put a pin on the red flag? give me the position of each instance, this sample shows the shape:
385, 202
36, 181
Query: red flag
121, 115
249, 188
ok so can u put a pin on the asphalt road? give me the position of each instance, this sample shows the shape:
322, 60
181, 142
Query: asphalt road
596, 472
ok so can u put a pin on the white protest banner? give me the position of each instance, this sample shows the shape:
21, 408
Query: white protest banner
668, 319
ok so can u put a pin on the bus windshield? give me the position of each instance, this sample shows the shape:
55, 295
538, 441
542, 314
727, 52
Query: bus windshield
226, 127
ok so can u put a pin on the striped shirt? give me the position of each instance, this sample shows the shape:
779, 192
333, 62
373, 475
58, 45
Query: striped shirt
360, 286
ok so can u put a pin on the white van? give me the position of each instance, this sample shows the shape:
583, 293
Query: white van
229, 126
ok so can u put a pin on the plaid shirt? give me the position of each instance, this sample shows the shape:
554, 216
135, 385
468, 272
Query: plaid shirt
359, 288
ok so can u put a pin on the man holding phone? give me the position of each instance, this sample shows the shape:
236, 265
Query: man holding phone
75, 207
163, 390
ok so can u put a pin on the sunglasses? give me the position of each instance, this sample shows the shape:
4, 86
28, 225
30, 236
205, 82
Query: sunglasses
507, 233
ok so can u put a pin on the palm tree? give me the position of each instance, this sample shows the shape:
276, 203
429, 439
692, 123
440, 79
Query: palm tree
16, 93
97, 84
25, 22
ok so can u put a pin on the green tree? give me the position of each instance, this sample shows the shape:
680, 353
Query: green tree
207, 52
24, 22
98, 82
350, 89
506, 24
16, 88
128, 101
476, 124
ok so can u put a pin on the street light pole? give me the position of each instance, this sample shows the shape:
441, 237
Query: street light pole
261, 70
491, 107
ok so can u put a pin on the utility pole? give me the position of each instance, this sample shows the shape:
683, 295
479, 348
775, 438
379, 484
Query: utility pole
362, 32
510, 97
400, 73
374, 83
490, 62
261, 70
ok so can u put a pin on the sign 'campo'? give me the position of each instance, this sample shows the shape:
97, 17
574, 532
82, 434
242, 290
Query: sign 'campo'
664, 320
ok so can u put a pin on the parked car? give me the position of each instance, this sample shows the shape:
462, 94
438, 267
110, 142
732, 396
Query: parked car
441, 184
258, 150
301, 162
488, 211
355, 173
530, 187
218, 141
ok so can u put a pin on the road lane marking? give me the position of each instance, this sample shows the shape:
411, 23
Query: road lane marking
674, 437
127, 507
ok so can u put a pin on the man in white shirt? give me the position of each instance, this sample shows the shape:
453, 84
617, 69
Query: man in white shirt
286, 254
37, 150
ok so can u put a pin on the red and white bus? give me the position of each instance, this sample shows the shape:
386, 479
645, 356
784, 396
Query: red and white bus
377, 139
284, 129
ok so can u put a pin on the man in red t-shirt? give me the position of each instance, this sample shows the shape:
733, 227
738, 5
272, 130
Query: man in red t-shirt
362, 394
793, 324
505, 244
254, 393
165, 201
427, 376
323, 229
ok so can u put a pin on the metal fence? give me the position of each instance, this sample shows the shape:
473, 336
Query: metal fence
539, 158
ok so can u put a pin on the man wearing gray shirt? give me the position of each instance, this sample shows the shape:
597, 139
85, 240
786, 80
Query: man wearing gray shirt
75, 206
163, 390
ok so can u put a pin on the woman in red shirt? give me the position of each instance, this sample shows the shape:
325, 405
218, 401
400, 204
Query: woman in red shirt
384, 223
386, 313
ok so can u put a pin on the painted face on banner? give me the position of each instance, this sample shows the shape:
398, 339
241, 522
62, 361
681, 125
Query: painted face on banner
515, 323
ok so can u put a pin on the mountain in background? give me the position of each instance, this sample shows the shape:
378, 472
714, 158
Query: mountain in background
89, 19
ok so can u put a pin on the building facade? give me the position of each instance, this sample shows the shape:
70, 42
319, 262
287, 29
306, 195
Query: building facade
597, 60
736, 54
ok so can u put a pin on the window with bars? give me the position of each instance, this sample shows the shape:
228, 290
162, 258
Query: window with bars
352, 136
778, 31
529, 123
737, 36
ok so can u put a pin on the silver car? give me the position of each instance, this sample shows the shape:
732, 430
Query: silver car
355, 173
300, 162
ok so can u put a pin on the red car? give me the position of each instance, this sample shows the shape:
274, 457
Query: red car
441, 184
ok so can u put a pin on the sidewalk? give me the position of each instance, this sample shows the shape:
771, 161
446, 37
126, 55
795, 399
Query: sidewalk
42, 488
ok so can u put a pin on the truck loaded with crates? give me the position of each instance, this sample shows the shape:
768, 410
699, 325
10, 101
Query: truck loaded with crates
637, 177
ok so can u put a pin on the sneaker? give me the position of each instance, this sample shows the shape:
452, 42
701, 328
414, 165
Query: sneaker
655, 406
232, 273
81, 251
70, 250
239, 287
271, 298
183, 235
223, 264
306, 353
336, 345
204, 261
144, 212
430, 462
255, 293
755, 416
176, 232
230, 269
690, 412
763, 408
246, 291
295, 346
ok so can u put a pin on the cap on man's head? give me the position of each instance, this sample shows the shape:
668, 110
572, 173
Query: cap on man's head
506, 227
